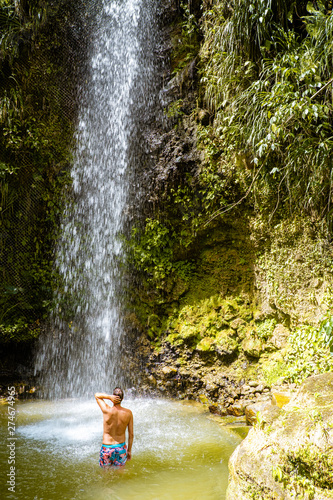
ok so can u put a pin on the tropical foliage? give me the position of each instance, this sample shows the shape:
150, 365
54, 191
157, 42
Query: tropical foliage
267, 78
36, 116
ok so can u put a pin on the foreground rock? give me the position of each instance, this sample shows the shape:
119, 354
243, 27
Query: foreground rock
289, 453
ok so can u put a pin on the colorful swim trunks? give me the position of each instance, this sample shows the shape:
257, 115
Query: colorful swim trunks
113, 455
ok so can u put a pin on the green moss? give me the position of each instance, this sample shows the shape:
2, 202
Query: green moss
225, 341
185, 39
265, 329
205, 344
273, 369
306, 468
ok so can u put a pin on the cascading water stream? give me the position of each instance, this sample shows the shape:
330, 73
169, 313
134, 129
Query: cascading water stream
81, 353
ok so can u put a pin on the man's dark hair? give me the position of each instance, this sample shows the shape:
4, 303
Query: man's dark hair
119, 392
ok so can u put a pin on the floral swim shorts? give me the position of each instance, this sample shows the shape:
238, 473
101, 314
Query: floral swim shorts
113, 455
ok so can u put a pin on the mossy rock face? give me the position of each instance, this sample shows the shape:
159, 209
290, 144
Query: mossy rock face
205, 345
225, 344
154, 321
288, 454
252, 347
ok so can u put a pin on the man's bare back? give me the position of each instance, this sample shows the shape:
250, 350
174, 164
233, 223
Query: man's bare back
116, 420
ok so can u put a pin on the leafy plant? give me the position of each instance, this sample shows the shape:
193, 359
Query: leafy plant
309, 351
185, 39
269, 84
151, 251
326, 330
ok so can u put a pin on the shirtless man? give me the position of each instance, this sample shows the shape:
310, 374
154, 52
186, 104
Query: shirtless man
116, 420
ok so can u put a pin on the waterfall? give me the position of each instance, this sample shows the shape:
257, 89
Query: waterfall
81, 353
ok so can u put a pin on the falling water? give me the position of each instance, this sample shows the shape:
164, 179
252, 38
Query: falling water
82, 351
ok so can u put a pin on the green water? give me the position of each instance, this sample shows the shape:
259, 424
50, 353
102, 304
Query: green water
178, 454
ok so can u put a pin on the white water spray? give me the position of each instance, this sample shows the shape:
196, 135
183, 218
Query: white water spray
82, 352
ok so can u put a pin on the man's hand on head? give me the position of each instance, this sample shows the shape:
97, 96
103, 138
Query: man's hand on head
100, 396
115, 399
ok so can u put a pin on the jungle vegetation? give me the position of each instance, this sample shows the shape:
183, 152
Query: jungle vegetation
264, 78
40, 56
262, 81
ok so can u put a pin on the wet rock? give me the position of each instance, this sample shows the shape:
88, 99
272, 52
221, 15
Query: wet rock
252, 347
184, 372
152, 380
294, 459
230, 401
253, 383
251, 411
222, 382
203, 398
169, 371
237, 409
214, 408
211, 388
234, 394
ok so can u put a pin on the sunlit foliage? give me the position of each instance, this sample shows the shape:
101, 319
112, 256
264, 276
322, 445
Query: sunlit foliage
266, 71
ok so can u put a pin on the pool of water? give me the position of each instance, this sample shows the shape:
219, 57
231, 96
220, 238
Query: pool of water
178, 453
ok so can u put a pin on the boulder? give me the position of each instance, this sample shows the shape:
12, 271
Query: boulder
252, 347
217, 409
279, 337
211, 388
152, 380
225, 344
205, 345
245, 389
288, 454
169, 371
237, 324
203, 398
251, 411
237, 409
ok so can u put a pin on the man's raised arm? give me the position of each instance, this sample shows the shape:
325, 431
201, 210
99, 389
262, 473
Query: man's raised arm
100, 396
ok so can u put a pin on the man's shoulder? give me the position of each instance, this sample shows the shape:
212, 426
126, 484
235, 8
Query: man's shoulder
127, 410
